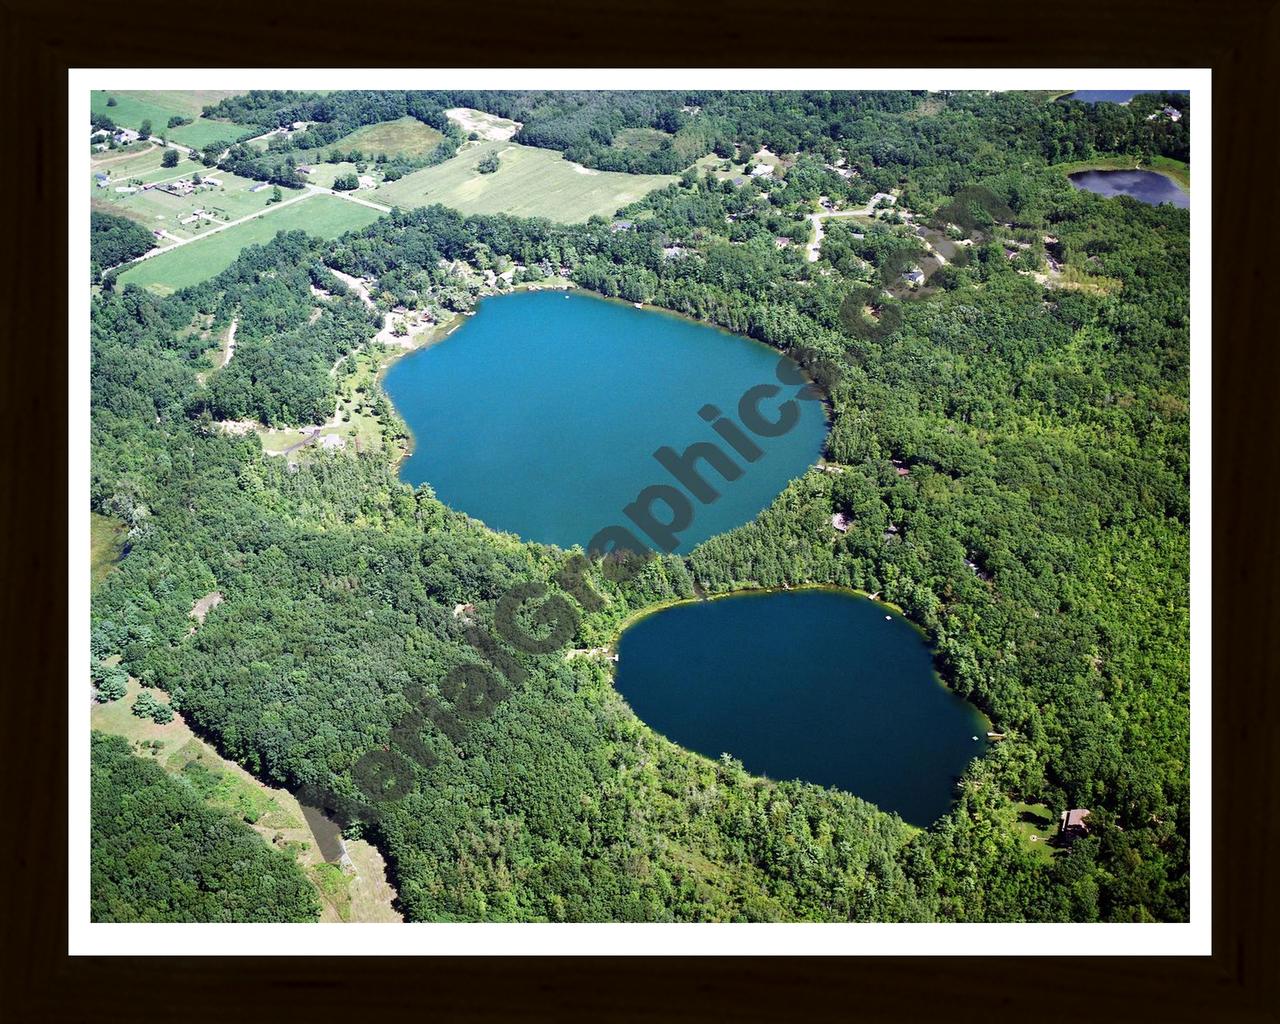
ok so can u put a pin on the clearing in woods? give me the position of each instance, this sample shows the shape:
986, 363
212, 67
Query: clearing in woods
321, 215
359, 894
406, 136
487, 126
107, 538
529, 182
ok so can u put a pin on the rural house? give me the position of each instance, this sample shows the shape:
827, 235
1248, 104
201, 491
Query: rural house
1072, 824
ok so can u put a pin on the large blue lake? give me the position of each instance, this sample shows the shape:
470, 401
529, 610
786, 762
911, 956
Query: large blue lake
541, 415
816, 685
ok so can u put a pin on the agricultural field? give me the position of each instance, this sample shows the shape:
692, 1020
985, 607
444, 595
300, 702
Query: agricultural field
406, 136
134, 161
529, 182
227, 197
321, 215
132, 108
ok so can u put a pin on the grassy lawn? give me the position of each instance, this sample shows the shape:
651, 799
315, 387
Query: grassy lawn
324, 175
406, 136
230, 199
1037, 825
715, 165
133, 161
132, 108
320, 215
106, 544
529, 182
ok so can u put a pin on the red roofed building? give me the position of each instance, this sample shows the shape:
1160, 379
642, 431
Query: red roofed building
1072, 825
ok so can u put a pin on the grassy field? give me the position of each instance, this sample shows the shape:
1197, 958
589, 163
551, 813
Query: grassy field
528, 183
639, 140
715, 165
273, 813
106, 544
321, 215
132, 108
324, 175
405, 137
232, 198
1037, 826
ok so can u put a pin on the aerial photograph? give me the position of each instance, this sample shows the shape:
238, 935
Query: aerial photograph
633, 506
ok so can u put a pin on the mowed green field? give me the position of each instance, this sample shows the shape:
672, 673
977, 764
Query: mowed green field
321, 215
406, 136
132, 108
232, 198
529, 183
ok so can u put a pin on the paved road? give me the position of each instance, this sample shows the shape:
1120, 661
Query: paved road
351, 197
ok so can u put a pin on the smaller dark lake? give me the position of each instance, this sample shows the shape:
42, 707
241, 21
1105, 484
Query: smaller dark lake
819, 685
1114, 95
1145, 186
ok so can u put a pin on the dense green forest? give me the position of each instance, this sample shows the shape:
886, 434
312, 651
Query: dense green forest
890, 131
159, 853
1014, 457
114, 240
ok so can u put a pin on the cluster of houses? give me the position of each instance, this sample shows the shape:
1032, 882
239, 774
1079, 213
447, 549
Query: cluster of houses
1172, 113
102, 139
184, 186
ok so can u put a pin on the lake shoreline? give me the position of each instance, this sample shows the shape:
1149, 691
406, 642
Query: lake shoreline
441, 331
882, 703
640, 614
1178, 175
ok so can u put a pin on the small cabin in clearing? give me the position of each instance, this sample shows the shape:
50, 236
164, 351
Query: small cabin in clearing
1073, 824
841, 521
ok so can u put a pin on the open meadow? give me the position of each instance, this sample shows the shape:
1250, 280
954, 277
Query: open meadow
221, 197
529, 182
321, 215
406, 136
132, 108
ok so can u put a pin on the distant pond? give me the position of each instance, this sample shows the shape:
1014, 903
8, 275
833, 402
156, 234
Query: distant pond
819, 685
1114, 95
1145, 186
543, 415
